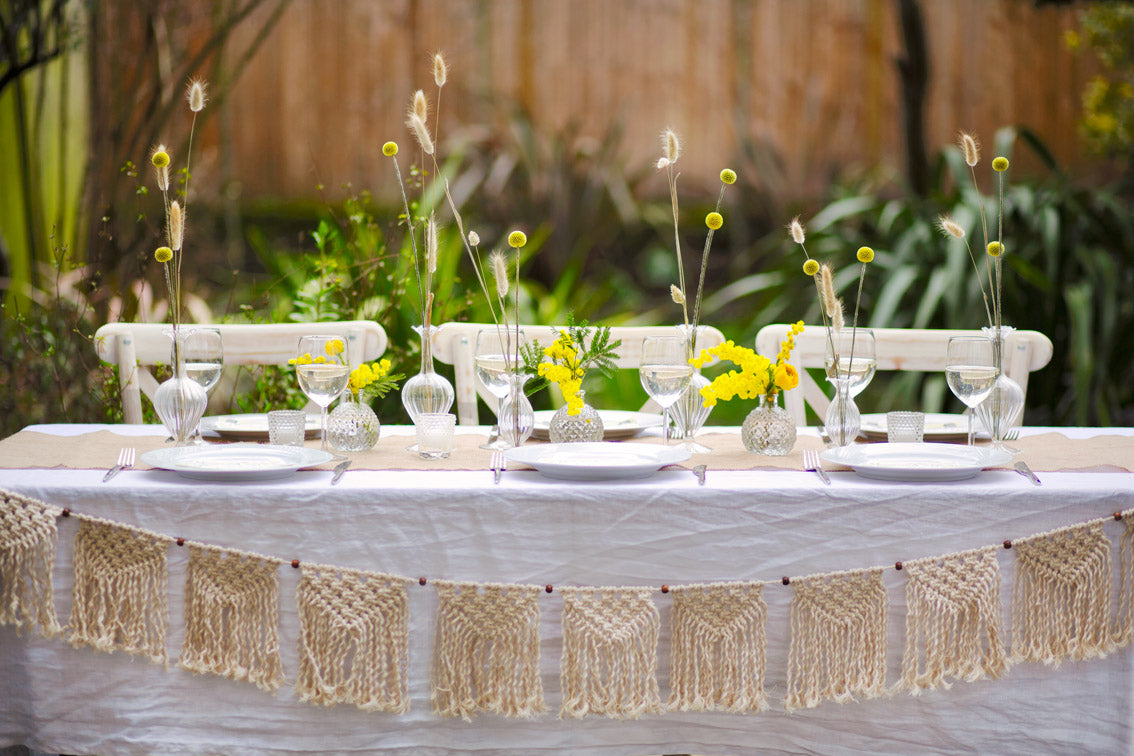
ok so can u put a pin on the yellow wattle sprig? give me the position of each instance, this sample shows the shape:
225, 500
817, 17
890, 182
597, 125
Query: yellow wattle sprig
565, 370
758, 376
374, 378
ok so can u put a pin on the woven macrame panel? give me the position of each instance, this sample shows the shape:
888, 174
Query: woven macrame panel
1061, 596
719, 648
954, 627
232, 617
120, 591
486, 651
610, 646
1124, 628
27, 554
353, 639
838, 639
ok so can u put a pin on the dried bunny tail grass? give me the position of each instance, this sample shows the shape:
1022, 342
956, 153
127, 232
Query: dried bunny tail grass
500, 273
950, 227
827, 290
431, 244
474, 238
176, 225
197, 95
671, 146
440, 70
969, 148
796, 228
420, 107
677, 294
417, 125
837, 321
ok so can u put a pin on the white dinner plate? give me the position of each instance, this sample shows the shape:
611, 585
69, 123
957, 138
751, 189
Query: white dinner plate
615, 423
916, 462
235, 461
598, 460
250, 427
939, 426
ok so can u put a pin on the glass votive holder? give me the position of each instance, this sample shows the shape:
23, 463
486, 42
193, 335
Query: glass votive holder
435, 434
287, 427
905, 427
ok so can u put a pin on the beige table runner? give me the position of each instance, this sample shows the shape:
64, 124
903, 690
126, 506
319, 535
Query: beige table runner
99, 450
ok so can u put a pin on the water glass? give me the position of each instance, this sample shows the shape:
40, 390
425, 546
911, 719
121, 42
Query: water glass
905, 427
435, 434
287, 427
970, 371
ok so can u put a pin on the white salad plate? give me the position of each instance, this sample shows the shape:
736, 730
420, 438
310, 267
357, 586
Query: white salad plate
616, 424
916, 462
939, 426
598, 460
250, 427
235, 461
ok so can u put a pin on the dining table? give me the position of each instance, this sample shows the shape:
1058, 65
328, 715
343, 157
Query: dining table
447, 520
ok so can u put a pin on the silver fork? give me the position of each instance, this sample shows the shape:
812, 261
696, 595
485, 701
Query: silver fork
499, 464
1011, 435
811, 463
125, 459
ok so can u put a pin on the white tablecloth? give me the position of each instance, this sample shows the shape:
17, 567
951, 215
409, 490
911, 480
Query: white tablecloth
458, 526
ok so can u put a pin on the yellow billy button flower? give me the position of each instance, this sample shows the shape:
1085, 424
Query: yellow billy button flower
334, 347
811, 267
389, 149
517, 239
714, 220
163, 254
1000, 164
995, 249
728, 176
865, 254
160, 158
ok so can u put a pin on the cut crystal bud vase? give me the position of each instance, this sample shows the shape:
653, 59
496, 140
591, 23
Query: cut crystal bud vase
843, 420
768, 429
1002, 411
427, 392
584, 426
516, 417
352, 425
180, 401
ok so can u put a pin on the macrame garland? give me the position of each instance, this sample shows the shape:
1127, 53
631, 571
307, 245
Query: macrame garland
486, 651
232, 617
954, 618
27, 556
718, 648
610, 647
1061, 596
838, 638
353, 639
1125, 627
120, 590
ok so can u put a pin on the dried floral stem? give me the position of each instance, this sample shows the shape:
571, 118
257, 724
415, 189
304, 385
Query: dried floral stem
413, 238
677, 239
701, 278
474, 256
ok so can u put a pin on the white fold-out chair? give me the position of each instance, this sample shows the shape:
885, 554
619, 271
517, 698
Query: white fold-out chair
915, 349
455, 344
135, 347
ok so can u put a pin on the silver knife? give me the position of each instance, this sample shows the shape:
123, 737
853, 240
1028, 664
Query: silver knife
1023, 469
340, 468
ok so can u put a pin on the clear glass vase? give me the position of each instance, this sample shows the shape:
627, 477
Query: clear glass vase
566, 428
843, 420
180, 401
352, 426
1003, 410
516, 416
428, 391
768, 429
689, 413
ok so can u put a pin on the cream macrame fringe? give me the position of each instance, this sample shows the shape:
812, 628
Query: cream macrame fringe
120, 591
1125, 628
610, 647
838, 638
486, 651
353, 639
718, 648
232, 617
27, 556
1061, 596
954, 617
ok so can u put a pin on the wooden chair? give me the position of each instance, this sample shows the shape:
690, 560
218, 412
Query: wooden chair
135, 347
455, 344
896, 349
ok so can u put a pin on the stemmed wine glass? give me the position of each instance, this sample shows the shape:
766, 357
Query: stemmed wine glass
856, 359
498, 355
970, 369
665, 372
204, 358
323, 369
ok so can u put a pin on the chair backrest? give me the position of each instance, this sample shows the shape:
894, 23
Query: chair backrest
134, 347
916, 349
455, 344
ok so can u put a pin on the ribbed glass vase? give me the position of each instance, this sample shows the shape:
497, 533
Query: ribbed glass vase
516, 416
1002, 411
428, 391
843, 420
180, 401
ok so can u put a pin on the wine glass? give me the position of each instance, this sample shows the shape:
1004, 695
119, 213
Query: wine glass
323, 369
204, 358
850, 353
665, 372
970, 369
498, 355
